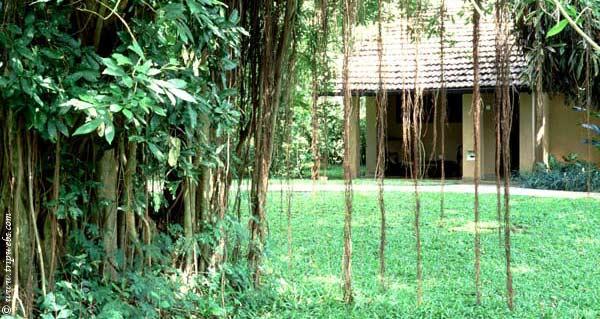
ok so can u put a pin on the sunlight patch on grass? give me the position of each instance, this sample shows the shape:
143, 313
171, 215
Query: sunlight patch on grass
327, 280
283, 286
581, 241
484, 227
400, 286
521, 269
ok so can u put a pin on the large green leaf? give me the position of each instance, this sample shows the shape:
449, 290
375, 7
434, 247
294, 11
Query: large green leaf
174, 151
183, 95
115, 108
78, 104
135, 47
159, 110
556, 29
156, 151
112, 68
128, 114
109, 132
88, 127
121, 59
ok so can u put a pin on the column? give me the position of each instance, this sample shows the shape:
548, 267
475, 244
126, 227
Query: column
542, 136
468, 151
354, 137
527, 133
371, 138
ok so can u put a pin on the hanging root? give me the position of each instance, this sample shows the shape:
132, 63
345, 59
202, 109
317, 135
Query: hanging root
417, 164
504, 116
443, 105
381, 141
476, 106
497, 112
315, 106
347, 26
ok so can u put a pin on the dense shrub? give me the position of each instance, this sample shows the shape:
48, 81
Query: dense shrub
158, 290
571, 174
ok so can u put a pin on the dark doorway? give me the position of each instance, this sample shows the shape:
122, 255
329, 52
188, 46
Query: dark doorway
399, 166
514, 137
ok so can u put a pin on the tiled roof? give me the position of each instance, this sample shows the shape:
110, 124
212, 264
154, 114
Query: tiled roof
400, 53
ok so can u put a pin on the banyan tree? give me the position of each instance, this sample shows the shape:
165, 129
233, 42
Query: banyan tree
138, 138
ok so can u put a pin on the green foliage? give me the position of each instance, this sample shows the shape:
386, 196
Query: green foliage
65, 87
571, 174
547, 37
46, 66
152, 89
333, 142
330, 139
157, 291
152, 73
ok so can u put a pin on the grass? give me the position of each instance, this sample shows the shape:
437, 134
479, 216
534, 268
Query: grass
332, 171
556, 258
335, 175
366, 181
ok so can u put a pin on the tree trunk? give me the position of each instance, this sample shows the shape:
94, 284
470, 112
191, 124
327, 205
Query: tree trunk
130, 214
23, 271
188, 225
203, 212
275, 54
108, 169
51, 221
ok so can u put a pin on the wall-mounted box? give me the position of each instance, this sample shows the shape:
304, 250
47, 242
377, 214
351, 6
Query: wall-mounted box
471, 155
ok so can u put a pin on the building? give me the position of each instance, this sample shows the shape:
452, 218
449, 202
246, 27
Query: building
408, 65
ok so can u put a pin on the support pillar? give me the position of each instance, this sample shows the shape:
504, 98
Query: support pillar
355, 137
468, 158
533, 132
371, 138
527, 133
542, 126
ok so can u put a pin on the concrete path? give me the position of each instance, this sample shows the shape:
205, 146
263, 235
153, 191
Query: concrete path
454, 188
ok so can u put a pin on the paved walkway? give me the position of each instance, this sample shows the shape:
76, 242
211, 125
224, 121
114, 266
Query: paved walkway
454, 188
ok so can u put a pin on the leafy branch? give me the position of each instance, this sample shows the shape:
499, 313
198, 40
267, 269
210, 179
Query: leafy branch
574, 25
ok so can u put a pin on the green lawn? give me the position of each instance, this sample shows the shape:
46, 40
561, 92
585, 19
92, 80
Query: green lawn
368, 181
556, 259
335, 175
